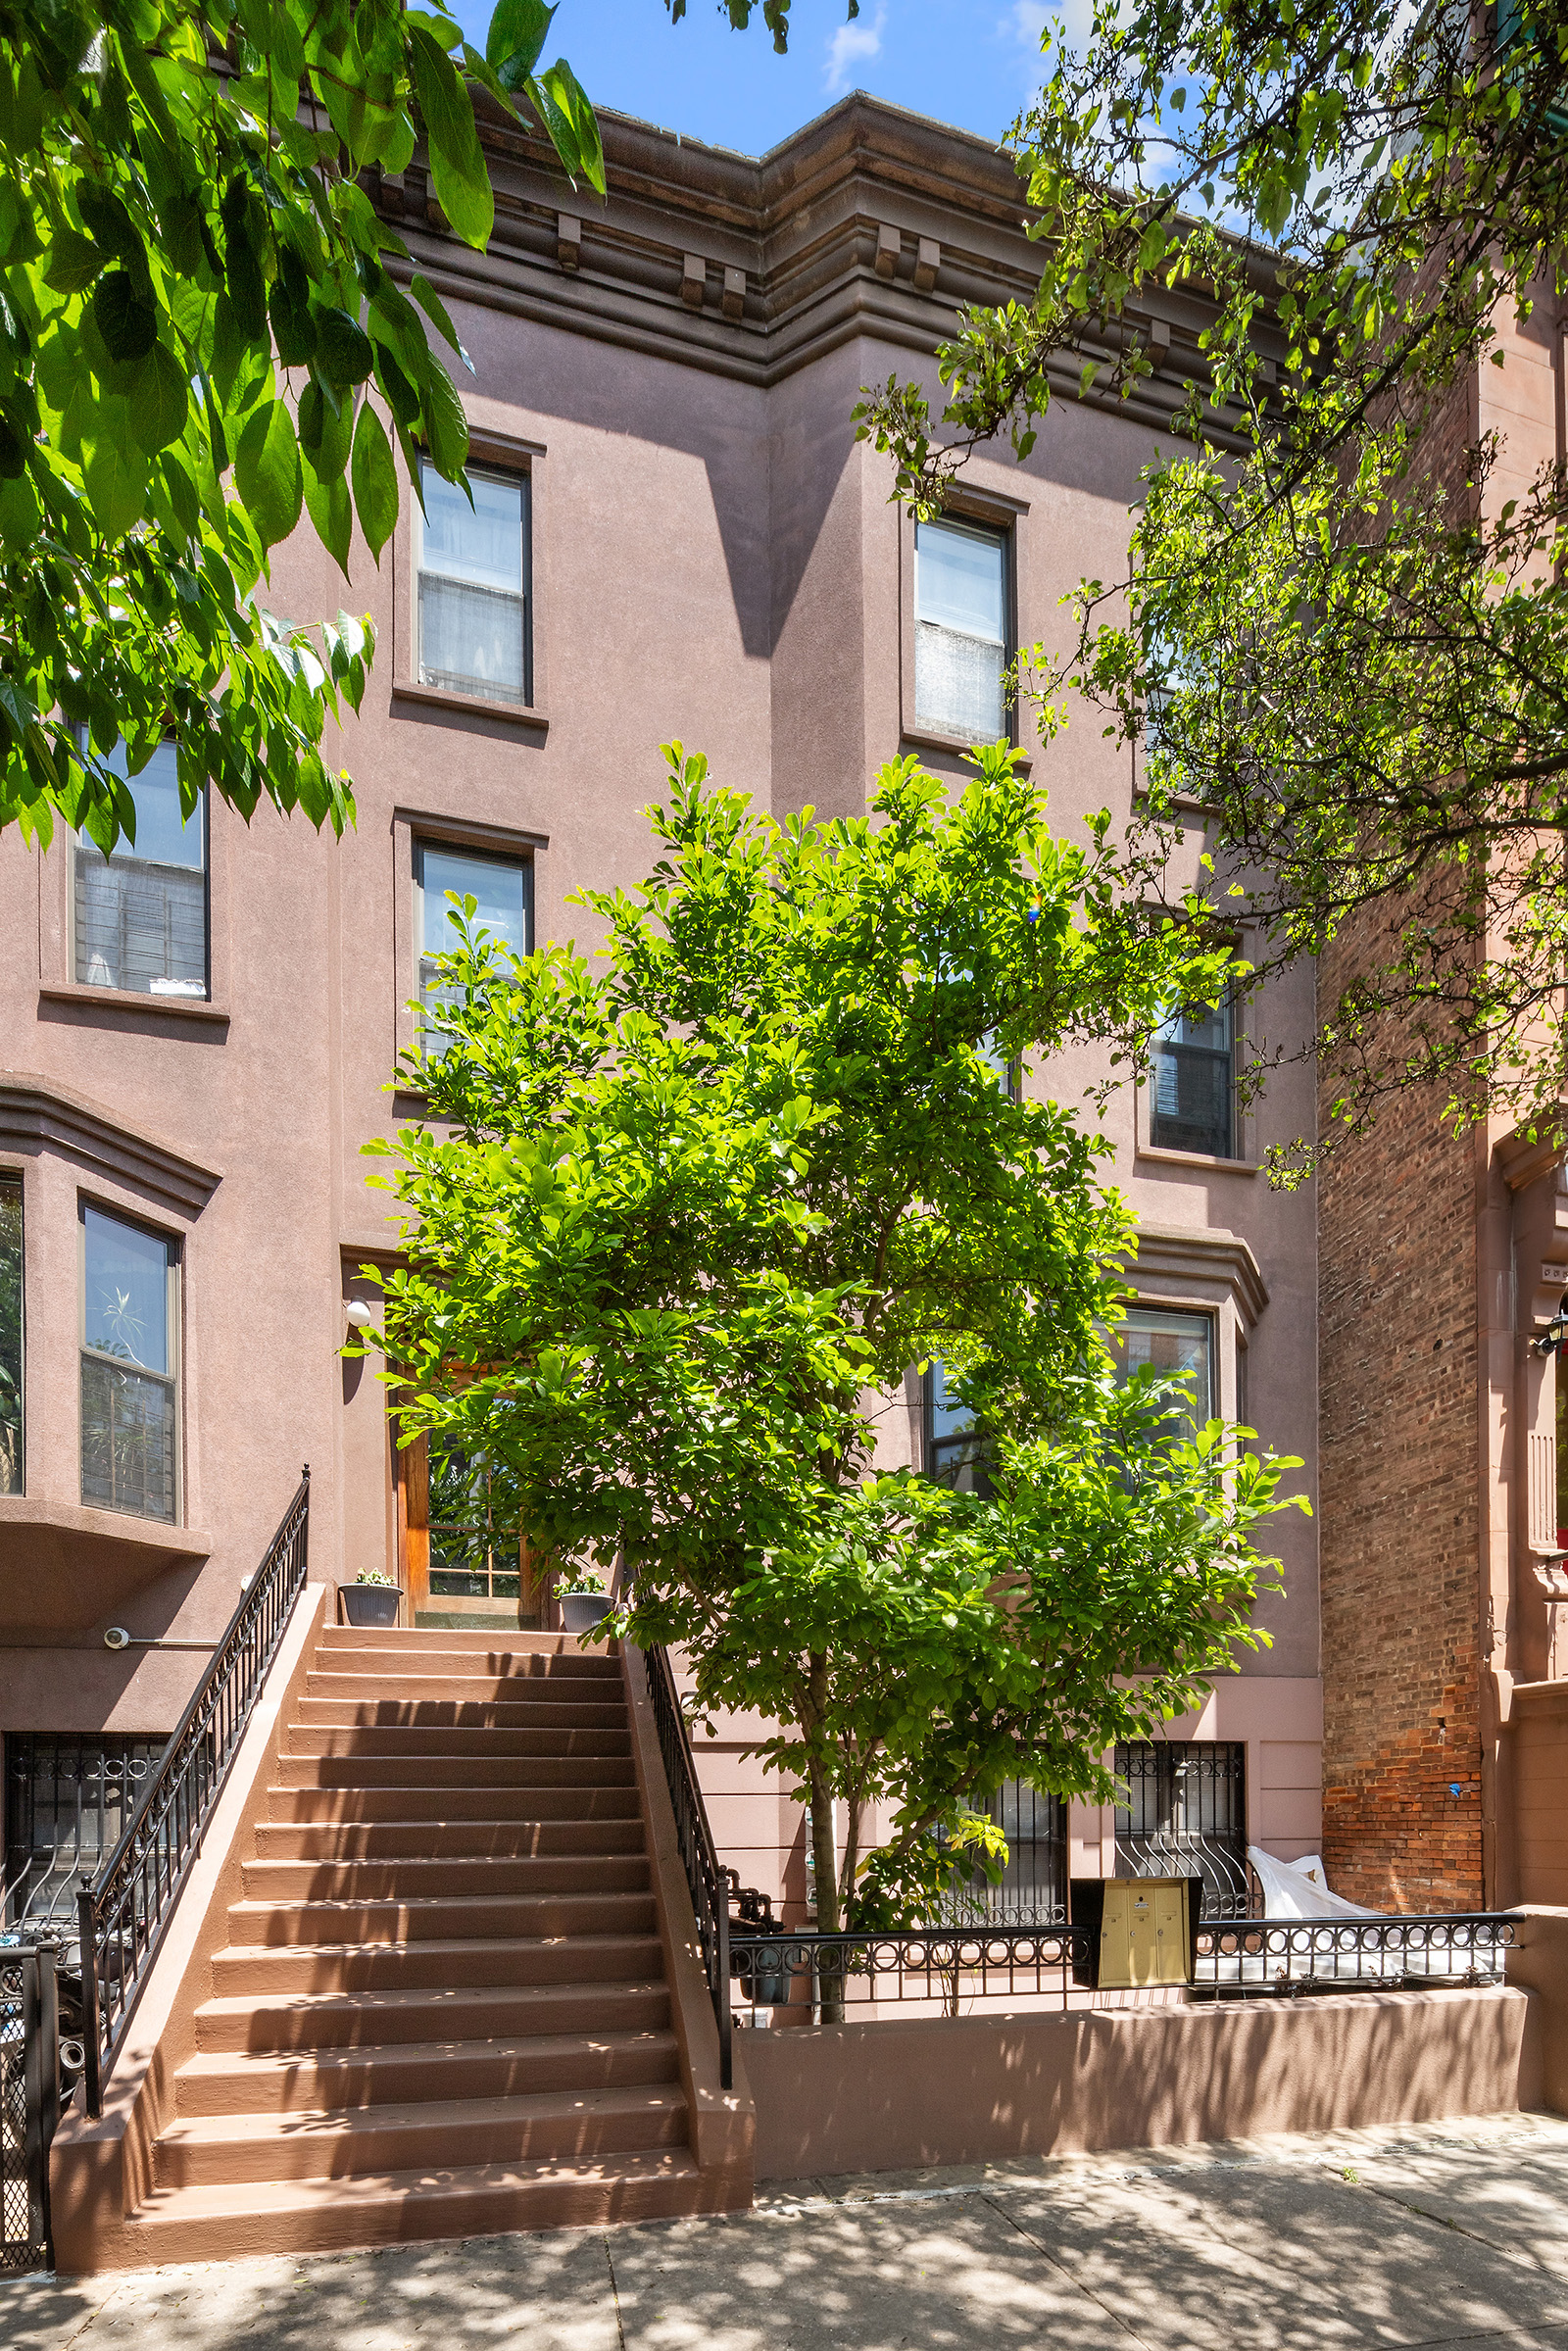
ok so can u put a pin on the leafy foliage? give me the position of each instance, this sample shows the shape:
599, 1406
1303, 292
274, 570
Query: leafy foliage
684, 1224
205, 330
1355, 645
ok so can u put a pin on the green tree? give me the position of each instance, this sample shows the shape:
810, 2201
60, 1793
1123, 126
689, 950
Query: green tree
205, 332
1357, 656
681, 1225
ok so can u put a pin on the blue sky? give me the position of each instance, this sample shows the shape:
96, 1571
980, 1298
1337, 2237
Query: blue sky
973, 63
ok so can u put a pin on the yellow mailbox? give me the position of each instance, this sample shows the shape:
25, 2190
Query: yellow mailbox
1144, 1932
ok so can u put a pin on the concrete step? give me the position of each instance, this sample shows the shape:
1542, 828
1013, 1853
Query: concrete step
306, 2023
323, 2216
351, 1840
269, 1969
448, 1917
481, 1770
451, 1803
211, 2150
228, 2081
363, 1710
409, 1878
570, 1701
453, 1739
533, 1653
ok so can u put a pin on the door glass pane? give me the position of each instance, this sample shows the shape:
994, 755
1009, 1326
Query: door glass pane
10, 1460
1174, 1345
140, 915
1193, 1083
475, 1525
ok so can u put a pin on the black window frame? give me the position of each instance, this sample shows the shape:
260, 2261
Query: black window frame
1170, 1825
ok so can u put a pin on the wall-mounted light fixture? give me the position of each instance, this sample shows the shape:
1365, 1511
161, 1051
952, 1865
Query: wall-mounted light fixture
360, 1315
1556, 1331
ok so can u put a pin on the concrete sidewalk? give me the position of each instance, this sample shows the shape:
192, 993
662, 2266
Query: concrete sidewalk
1452, 2232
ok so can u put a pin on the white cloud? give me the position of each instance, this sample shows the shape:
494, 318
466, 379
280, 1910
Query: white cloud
849, 45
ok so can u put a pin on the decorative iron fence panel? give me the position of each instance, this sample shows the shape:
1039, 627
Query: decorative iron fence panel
1256, 1958
1186, 1816
710, 1886
68, 1795
123, 1915
29, 2104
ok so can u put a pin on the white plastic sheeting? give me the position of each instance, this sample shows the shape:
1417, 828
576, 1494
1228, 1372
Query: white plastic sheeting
1299, 1890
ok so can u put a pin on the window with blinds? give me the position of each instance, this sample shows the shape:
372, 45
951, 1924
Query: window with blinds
1191, 1082
1174, 1346
960, 629
130, 1375
139, 916
472, 564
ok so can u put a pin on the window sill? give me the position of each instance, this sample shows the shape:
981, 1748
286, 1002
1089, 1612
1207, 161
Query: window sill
523, 716
135, 999
1208, 1159
930, 738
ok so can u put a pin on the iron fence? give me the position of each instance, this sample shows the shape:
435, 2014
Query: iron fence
30, 2103
947, 1967
68, 1795
123, 1913
708, 1884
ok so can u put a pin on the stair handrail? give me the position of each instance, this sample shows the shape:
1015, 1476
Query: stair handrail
708, 1884
123, 1912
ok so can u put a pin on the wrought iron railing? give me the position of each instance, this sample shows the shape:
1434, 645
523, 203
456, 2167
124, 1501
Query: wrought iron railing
1259, 1956
946, 1967
708, 1884
30, 2103
123, 1912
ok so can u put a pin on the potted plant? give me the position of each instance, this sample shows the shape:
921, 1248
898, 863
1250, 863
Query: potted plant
372, 1599
584, 1602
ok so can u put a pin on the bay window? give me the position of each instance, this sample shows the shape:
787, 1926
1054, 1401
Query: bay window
130, 1367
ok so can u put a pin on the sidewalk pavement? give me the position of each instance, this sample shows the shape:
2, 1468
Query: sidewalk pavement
1442, 2233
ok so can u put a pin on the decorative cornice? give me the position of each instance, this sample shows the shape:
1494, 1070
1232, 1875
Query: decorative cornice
1183, 1252
869, 221
38, 1114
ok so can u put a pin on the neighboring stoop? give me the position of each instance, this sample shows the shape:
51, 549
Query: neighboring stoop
446, 1983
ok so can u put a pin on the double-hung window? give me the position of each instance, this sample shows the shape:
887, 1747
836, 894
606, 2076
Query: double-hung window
130, 1367
503, 890
960, 629
139, 916
955, 1445
472, 561
11, 1426
1192, 1103
1174, 1346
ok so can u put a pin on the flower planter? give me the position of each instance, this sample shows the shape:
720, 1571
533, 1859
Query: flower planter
580, 1611
370, 1604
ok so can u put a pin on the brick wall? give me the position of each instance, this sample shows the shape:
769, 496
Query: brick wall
1399, 1512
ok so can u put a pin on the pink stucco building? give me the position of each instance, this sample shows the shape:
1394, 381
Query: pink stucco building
678, 535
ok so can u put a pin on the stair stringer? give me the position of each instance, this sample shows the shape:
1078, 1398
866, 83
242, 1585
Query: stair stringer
722, 2121
101, 2171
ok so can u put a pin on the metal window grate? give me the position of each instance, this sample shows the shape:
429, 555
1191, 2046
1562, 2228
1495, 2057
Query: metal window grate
1186, 1816
67, 1798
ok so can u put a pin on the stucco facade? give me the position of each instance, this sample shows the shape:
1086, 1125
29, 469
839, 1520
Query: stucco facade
712, 555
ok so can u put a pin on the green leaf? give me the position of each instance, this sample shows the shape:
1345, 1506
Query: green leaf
457, 162
516, 37
375, 480
435, 309
268, 473
116, 474
566, 96
160, 400
128, 323
331, 511
342, 348
75, 260
446, 426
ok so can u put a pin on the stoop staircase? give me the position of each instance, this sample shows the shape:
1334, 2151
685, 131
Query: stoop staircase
442, 2008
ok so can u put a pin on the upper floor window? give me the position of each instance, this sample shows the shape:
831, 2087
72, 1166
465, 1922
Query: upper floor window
10, 1455
503, 890
1191, 1101
960, 629
140, 914
472, 586
1174, 1345
130, 1367
955, 1446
